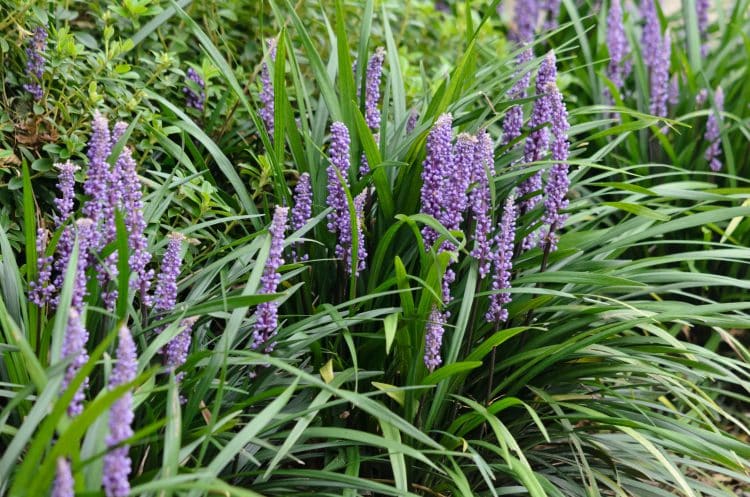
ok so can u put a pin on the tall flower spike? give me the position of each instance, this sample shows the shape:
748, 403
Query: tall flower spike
42, 290
165, 295
503, 264
359, 212
412, 120
194, 99
619, 65
513, 120
659, 80
372, 86
35, 63
132, 202
433, 339
176, 351
713, 132
481, 202
266, 315
556, 191
651, 35
525, 18
266, 90
97, 207
302, 210
702, 7
64, 483
117, 463
86, 232
552, 8
538, 140
65, 184
437, 162
74, 349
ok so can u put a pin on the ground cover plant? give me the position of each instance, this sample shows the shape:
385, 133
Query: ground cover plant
374, 248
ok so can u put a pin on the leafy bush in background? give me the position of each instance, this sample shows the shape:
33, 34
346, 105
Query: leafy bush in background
595, 383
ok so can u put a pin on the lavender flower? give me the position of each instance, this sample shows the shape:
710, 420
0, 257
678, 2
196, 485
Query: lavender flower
411, 121
619, 66
42, 290
97, 207
651, 37
117, 464
165, 295
266, 91
502, 263
176, 351
266, 316
456, 181
481, 202
702, 7
195, 99
438, 162
65, 184
552, 9
302, 209
372, 95
701, 97
74, 349
86, 234
359, 208
64, 482
557, 182
659, 80
433, 339
132, 204
513, 121
525, 18
35, 63
713, 132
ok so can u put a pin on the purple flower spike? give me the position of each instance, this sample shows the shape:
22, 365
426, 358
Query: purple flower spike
433, 339
176, 351
412, 121
86, 235
74, 349
525, 17
35, 63
701, 97
65, 184
713, 132
503, 264
558, 183
117, 464
372, 95
659, 81
619, 65
702, 7
165, 295
266, 315
42, 290
64, 482
552, 10
437, 164
481, 202
651, 36
513, 121
195, 99
97, 207
359, 212
302, 210
266, 91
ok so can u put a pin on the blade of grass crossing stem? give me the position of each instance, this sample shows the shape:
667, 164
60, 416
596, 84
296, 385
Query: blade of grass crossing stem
394, 70
281, 104
692, 35
10, 281
123, 266
29, 228
398, 462
352, 469
379, 175
172, 434
364, 37
26, 366
583, 43
345, 76
60, 324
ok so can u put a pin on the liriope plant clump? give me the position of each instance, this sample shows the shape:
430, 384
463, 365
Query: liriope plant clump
455, 294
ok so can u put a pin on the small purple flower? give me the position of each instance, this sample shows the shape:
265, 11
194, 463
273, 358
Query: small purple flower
266, 91
619, 49
659, 80
42, 290
701, 97
132, 205
456, 181
359, 212
35, 63
372, 95
64, 483
412, 120
481, 201
558, 182
437, 164
117, 463
702, 7
192, 98
86, 235
266, 315
503, 263
552, 10
651, 37
97, 207
713, 132
513, 121
165, 295
65, 184
302, 210
433, 339
176, 351
525, 18
74, 349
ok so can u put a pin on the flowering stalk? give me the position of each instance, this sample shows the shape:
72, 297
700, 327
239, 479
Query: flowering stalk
702, 7
266, 316
372, 89
502, 263
557, 183
651, 35
659, 79
117, 463
713, 132
35, 63
266, 91
552, 8
525, 18
42, 290
412, 120
64, 482
481, 201
619, 65
74, 349
433, 339
165, 295
436, 164
97, 207
302, 210
192, 98
176, 351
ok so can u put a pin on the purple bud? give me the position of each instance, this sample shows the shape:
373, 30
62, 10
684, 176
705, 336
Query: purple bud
65, 184
302, 210
176, 351
525, 17
701, 97
412, 120
64, 482
74, 349
651, 37
619, 49
433, 339
192, 98
659, 79
437, 164
165, 295
266, 90
42, 290
359, 213
372, 95
35, 63
266, 315
117, 463
713, 132
502, 263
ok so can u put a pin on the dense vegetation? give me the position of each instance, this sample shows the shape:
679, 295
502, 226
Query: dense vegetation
393, 247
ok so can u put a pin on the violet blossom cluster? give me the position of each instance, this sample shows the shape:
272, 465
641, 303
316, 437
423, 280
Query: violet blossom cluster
713, 132
513, 120
412, 120
42, 290
702, 7
525, 19
302, 210
619, 65
64, 482
165, 294
659, 79
117, 463
35, 63
266, 315
480, 200
433, 339
552, 11
176, 350
74, 350
266, 91
372, 88
502, 263
556, 190
194, 99
436, 165
339, 219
